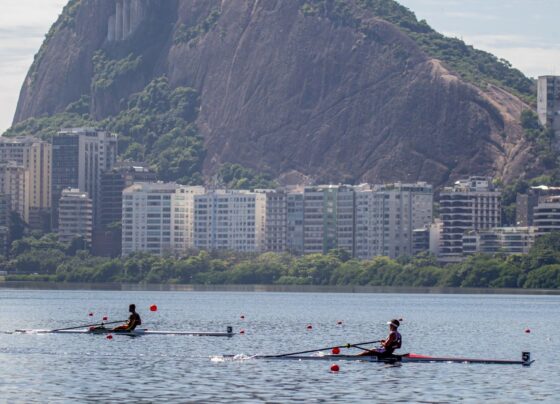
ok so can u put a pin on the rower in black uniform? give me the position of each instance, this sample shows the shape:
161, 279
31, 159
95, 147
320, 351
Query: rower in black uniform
134, 320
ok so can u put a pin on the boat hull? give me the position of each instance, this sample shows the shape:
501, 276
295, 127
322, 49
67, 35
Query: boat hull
407, 358
135, 333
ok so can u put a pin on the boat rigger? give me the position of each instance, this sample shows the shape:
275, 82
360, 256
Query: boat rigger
133, 333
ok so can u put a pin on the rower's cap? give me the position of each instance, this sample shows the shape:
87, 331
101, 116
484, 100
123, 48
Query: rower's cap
394, 322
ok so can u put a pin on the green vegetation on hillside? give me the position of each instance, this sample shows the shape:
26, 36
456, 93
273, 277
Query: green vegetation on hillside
106, 71
471, 64
186, 34
156, 126
45, 259
235, 176
542, 138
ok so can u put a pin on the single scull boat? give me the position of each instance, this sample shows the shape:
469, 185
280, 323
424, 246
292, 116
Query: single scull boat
525, 360
135, 333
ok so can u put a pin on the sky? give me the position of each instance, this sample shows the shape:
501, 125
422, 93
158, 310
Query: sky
525, 32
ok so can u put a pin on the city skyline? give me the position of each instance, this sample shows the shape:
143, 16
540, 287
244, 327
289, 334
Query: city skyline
521, 32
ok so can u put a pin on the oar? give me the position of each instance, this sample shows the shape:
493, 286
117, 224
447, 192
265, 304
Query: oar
88, 325
324, 349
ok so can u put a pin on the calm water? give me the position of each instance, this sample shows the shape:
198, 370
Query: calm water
87, 368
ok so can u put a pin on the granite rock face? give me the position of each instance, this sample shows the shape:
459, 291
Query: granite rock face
282, 91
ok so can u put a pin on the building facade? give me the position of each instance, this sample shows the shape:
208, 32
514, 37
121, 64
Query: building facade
112, 184
328, 219
506, 240
183, 218
546, 215
294, 222
13, 182
230, 220
38, 192
35, 156
79, 157
548, 102
5, 206
276, 220
387, 216
471, 204
146, 218
75, 216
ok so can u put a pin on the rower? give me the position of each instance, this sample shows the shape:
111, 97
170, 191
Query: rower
133, 321
389, 344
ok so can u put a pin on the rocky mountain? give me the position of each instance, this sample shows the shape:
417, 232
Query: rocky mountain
354, 90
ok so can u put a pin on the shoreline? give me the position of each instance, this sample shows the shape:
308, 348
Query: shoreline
33, 285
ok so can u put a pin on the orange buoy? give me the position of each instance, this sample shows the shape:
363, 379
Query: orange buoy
109, 336
153, 307
335, 367
335, 350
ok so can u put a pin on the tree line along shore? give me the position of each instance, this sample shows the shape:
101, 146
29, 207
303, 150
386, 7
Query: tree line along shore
45, 259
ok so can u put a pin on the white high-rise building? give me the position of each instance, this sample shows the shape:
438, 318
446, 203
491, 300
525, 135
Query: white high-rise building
275, 220
230, 220
388, 215
182, 219
328, 219
294, 222
471, 204
548, 102
13, 182
35, 156
158, 218
76, 216
146, 218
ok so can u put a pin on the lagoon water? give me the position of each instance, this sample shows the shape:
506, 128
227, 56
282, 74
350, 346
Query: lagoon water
91, 368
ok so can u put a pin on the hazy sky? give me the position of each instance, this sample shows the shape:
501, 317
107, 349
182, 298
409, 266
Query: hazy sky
526, 32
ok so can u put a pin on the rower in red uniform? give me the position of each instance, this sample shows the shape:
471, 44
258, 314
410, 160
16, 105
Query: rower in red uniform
389, 344
133, 321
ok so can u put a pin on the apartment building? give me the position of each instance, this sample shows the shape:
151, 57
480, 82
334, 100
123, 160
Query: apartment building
230, 220
276, 228
75, 216
112, 184
471, 204
546, 215
328, 218
387, 217
79, 157
5, 205
147, 217
35, 156
183, 217
506, 240
548, 102
13, 182
294, 222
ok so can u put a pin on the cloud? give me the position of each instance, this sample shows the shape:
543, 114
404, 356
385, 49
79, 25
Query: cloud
23, 25
520, 51
470, 15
